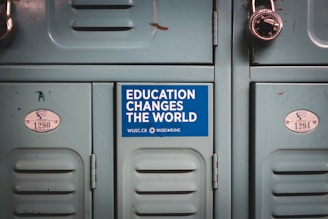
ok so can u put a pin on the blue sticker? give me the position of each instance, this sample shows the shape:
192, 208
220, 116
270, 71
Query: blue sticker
164, 110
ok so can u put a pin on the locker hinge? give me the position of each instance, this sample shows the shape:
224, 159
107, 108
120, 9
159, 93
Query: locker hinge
215, 28
93, 159
215, 171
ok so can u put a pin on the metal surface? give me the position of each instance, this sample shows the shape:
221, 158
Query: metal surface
85, 51
87, 73
164, 176
305, 40
288, 169
150, 31
45, 174
103, 148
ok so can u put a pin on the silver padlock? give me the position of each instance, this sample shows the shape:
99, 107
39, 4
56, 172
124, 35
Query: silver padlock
265, 24
7, 25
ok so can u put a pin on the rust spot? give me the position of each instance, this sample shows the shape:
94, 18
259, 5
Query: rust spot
159, 26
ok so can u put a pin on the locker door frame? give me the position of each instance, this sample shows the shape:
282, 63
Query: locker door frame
103, 148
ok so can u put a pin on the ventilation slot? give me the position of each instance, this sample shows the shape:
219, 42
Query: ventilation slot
167, 184
101, 7
45, 184
166, 187
102, 18
102, 24
101, 28
172, 186
301, 217
300, 185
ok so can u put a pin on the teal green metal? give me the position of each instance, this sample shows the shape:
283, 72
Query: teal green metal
288, 150
270, 163
164, 176
303, 40
102, 32
103, 149
87, 50
70, 59
45, 158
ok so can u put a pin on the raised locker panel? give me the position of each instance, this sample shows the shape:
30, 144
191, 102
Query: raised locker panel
44, 172
115, 31
289, 167
164, 169
304, 38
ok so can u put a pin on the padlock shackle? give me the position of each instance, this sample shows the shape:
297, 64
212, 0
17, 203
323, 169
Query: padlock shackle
8, 7
254, 6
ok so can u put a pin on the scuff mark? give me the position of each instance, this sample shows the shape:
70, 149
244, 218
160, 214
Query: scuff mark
159, 26
155, 22
280, 93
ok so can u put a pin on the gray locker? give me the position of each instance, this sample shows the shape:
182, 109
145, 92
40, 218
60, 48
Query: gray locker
303, 39
289, 151
164, 168
103, 150
111, 31
45, 139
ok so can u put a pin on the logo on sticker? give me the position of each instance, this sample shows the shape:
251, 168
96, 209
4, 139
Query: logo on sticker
164, 110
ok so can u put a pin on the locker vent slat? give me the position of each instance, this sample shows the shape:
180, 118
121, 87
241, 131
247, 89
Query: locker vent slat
299, 184
113, 18
43, 210
99, 24
166, 184
102, 28
101, 7
40, 188
302, 217
32, 166
45, 183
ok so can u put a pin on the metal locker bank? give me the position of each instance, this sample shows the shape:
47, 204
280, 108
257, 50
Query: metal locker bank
152, 109
283, 84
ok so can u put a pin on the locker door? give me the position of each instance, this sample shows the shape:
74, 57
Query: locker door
111, 31
304, 38
164, 151
45, 147
289, 151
